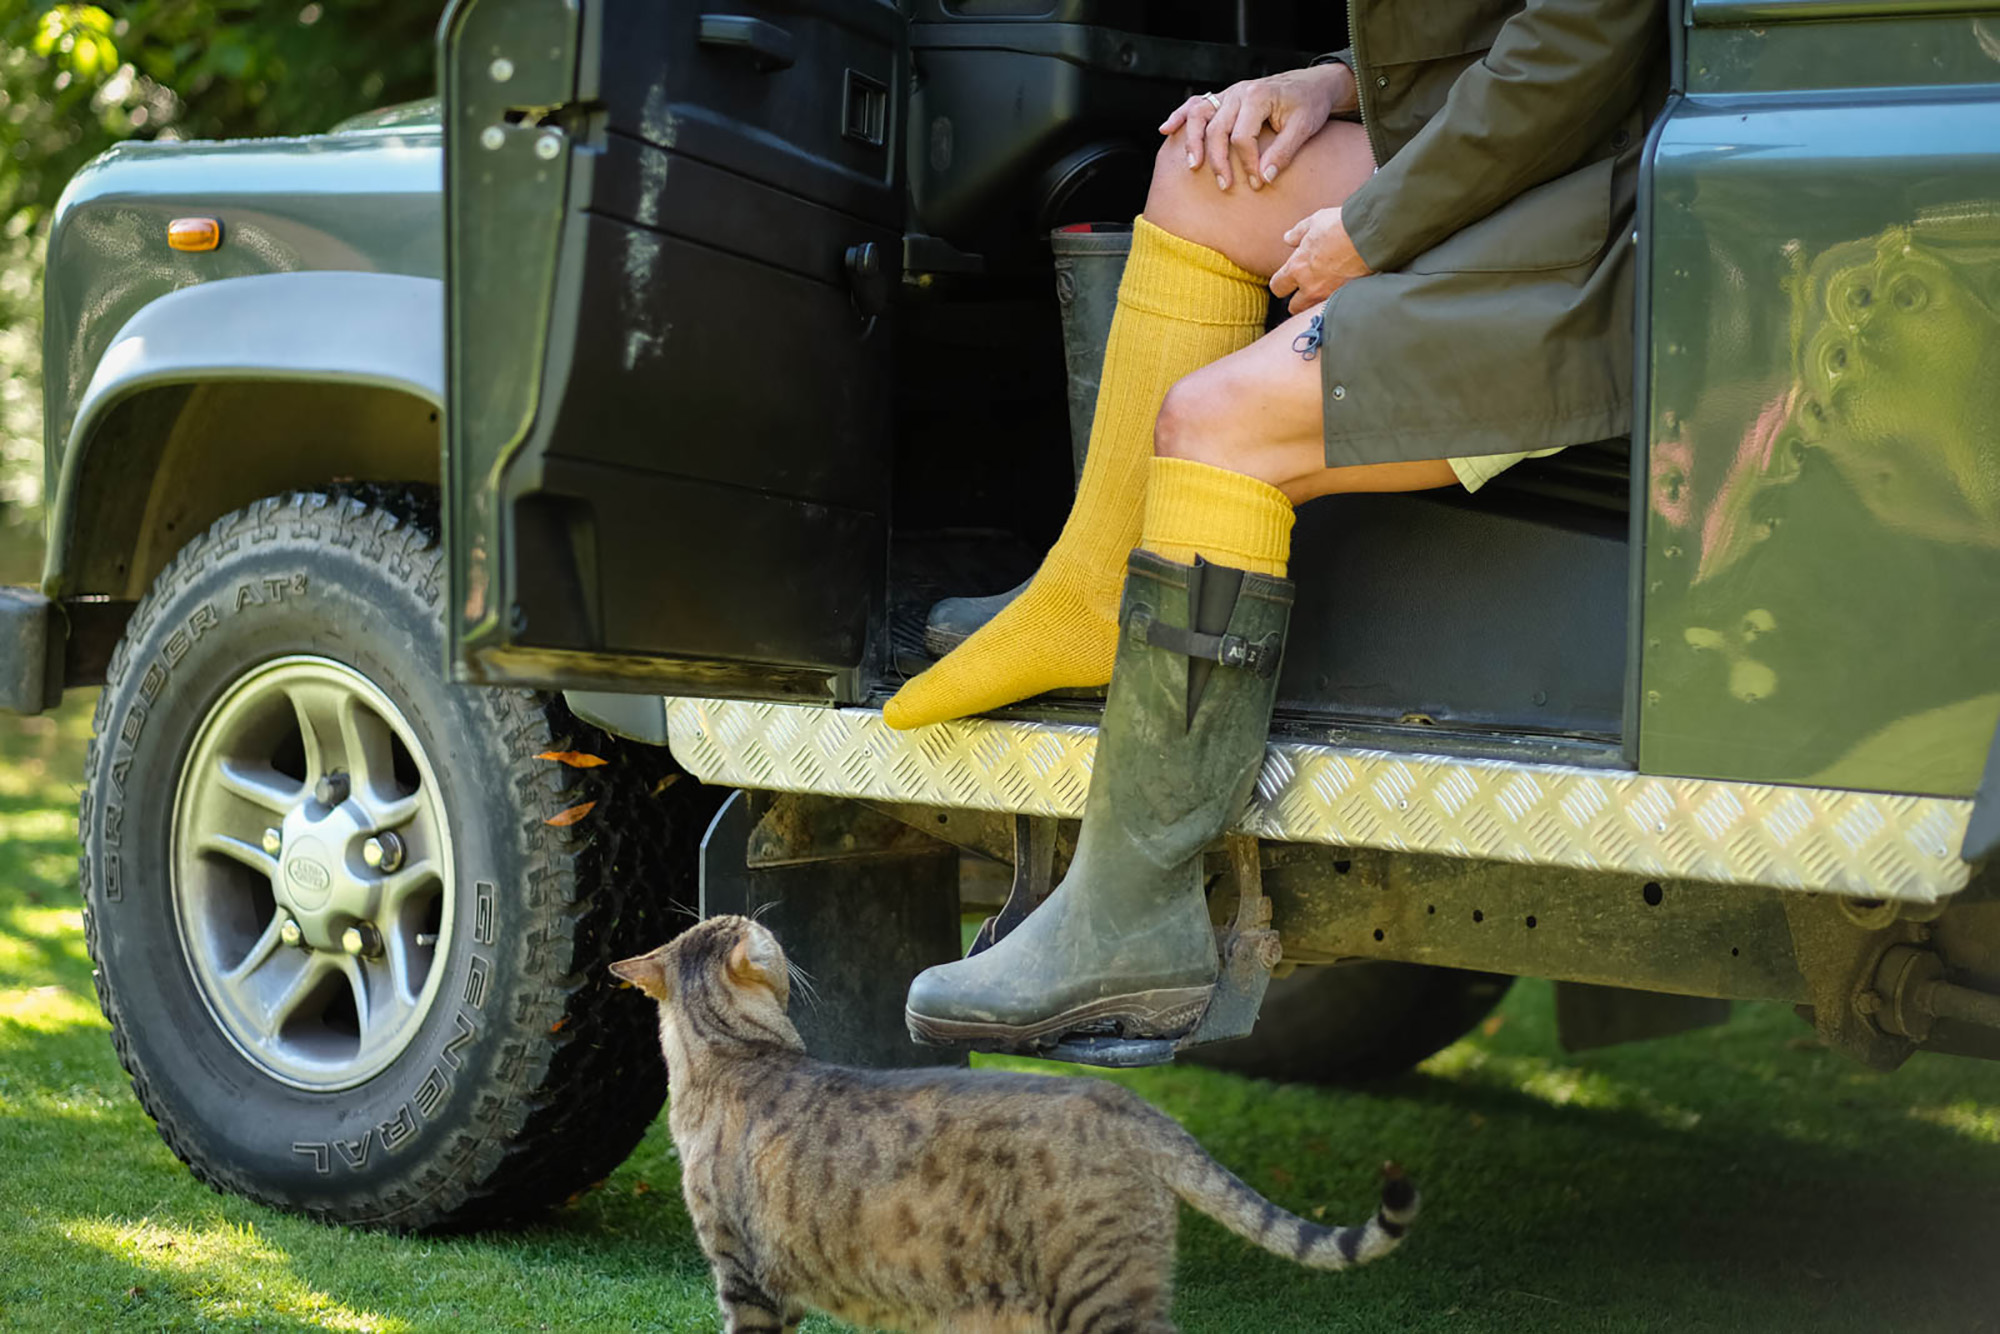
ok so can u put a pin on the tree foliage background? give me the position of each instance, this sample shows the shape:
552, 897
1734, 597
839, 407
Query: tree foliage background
77, 78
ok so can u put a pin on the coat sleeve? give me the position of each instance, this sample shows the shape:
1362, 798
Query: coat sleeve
1560, 76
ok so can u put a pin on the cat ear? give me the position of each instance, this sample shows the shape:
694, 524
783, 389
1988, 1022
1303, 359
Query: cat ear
648, 972
756, 960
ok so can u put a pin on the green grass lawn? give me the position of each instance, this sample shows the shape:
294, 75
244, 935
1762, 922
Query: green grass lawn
1737, 1179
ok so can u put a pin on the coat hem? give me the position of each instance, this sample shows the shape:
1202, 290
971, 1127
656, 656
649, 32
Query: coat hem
1476, 439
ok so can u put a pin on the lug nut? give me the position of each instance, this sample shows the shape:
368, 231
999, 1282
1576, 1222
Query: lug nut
273, 841
331, 789
383, 852
361, 940
291, 934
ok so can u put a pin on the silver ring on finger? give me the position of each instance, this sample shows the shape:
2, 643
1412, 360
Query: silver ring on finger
1213, 100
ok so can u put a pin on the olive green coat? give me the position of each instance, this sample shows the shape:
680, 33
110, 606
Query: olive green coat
1507, 139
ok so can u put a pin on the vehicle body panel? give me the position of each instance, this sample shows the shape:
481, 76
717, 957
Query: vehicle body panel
1822, 535
367, 202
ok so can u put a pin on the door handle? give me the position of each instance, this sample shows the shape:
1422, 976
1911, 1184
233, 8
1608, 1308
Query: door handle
769, 47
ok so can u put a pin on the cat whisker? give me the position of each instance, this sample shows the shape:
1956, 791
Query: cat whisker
803, 981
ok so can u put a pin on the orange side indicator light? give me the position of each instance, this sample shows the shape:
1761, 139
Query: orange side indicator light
194, 234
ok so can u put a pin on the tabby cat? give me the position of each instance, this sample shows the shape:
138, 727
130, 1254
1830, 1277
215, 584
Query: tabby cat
931, 1200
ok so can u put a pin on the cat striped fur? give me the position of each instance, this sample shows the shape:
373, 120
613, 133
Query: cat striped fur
954, 1201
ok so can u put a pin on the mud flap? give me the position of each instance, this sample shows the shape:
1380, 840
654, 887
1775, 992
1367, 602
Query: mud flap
861, 903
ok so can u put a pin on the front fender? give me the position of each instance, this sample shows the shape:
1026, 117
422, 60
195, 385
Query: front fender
382, 329
382, 333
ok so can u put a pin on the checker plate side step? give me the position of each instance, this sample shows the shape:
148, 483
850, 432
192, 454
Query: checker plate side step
1868, 845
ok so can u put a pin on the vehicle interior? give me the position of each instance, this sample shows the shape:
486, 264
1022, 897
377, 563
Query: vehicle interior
855, 316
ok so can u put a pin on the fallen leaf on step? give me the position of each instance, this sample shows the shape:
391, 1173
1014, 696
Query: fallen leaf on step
572, 815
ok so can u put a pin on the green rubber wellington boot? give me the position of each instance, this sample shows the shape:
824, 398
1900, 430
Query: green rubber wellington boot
1124, 945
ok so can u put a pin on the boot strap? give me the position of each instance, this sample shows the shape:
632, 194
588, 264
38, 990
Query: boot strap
1259, 657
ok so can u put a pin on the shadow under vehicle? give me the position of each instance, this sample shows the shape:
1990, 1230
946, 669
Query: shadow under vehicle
497, 522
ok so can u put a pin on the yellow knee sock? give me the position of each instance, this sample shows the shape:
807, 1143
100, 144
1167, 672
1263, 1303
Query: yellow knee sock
1193, 509
1180, 307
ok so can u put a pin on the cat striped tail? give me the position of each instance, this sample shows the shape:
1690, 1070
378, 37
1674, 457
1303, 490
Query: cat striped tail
1222, 1195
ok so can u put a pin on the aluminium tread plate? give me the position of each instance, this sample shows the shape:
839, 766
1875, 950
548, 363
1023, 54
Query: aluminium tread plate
1861, 844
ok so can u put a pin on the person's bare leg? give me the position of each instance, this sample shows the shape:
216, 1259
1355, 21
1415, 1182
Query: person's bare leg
1258, 412
1248, 226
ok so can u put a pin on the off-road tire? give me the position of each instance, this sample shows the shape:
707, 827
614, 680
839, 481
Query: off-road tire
1355, 1022
532, 1075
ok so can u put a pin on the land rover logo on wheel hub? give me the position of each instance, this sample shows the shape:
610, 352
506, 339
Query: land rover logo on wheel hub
305, 871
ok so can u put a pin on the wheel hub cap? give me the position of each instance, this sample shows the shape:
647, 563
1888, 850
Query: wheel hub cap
263, 931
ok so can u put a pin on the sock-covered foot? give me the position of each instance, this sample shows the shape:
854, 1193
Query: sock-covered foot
1180, 307
1055, 635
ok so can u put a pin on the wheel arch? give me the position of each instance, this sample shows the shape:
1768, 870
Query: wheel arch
222, 393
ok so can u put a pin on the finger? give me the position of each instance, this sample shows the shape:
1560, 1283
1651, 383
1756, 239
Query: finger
1182, 112
1284, 148
1199, 112
1300, 304
1250, 118
1285, 281
1218, 140
1297, 232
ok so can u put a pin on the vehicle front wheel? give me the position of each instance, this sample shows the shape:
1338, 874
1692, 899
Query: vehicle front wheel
350, 920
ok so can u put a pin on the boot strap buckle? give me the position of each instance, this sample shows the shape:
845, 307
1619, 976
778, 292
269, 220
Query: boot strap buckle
1259, 657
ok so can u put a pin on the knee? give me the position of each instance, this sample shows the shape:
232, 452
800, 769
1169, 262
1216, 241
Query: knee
1191, 420
1180, 200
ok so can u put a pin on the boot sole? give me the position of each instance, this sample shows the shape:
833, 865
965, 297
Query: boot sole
1167, 1012
937, 642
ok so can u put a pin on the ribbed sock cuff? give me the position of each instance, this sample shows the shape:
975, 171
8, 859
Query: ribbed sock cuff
1184, 280
1224, 517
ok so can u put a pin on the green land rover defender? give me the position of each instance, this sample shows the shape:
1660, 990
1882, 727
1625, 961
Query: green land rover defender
496, 523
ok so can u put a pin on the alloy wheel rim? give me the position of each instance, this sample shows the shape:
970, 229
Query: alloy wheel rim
311, 873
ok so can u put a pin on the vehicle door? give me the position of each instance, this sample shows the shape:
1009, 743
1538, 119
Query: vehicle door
672, 230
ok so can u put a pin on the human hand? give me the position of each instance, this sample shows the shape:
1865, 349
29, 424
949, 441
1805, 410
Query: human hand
1323, 260
1224, 133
